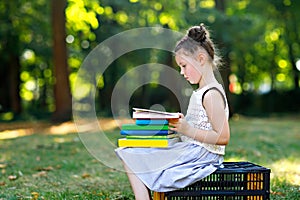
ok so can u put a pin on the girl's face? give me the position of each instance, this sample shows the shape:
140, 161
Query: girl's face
188, 69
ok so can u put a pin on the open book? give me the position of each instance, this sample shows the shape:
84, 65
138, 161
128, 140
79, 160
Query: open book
141, 113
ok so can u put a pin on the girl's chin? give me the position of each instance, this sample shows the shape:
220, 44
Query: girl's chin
193, 82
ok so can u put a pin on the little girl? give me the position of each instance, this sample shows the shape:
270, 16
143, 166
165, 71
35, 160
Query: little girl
204, 131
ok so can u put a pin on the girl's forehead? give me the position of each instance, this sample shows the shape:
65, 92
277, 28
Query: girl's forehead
183, 59
180, 57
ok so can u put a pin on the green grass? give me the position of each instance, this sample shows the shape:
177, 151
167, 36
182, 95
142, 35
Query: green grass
56, 167
44, 166
273, 143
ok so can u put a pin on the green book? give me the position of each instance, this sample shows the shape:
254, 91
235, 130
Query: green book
144, 127
152, 136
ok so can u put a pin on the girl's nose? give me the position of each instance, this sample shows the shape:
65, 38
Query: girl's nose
182, 71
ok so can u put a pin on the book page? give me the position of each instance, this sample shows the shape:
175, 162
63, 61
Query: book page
154, 111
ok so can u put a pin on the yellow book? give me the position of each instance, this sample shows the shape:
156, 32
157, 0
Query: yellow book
161, 143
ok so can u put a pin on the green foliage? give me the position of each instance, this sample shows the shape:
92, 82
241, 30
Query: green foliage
27, 23
259, 41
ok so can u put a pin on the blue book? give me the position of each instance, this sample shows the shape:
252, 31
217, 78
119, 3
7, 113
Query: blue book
151, 122
145, 132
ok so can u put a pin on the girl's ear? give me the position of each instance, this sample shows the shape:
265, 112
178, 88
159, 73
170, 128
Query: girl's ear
202, 58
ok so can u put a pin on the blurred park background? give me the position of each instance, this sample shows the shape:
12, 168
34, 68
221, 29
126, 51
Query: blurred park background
43, 44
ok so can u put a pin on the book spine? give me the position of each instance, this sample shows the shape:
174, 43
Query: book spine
151, 136
145, 132
151, 122
142, 143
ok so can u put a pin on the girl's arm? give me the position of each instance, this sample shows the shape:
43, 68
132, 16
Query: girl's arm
220, 133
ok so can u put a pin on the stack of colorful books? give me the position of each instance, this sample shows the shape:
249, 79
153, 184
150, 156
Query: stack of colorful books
151, 129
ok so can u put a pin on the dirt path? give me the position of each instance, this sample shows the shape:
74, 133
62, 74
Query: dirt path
18, 129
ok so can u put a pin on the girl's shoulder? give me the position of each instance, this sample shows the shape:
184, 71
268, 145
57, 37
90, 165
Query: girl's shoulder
211, 86
214, 89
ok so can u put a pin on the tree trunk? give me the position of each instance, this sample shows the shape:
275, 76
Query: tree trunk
294, 68
4, 97
220, 5
10, 97
14, 83
62, 94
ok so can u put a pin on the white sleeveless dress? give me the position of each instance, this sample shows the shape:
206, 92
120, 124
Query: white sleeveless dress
182, 163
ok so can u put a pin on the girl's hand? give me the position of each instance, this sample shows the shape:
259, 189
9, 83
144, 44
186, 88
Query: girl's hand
180, 126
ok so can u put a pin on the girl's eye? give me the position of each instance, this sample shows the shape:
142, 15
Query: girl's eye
183, 66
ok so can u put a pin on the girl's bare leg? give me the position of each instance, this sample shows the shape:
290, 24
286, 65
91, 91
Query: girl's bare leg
139, 189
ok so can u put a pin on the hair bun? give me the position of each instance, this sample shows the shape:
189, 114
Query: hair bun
197, 33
